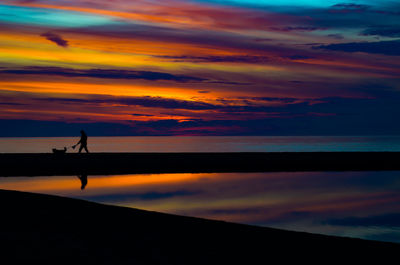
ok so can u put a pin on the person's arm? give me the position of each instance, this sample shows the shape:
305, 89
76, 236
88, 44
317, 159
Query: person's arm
78, 143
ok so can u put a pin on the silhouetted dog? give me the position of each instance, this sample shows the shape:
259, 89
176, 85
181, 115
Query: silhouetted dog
59, 151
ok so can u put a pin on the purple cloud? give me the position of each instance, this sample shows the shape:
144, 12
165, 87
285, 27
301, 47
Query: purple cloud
146, 101
349, 7
379, 47
100, 73
392, 32
57, 39
217, 59
297, 28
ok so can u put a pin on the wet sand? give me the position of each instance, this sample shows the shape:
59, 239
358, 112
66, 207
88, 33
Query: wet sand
130, 163
44, 229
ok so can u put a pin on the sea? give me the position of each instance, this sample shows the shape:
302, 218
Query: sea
205, 144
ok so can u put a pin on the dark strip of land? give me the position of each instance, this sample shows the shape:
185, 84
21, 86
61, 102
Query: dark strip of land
130, 163
43, 229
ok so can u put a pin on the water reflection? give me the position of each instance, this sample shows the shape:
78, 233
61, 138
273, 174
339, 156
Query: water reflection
83, 179
357, 204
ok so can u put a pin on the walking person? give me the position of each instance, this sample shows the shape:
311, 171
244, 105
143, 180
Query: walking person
82, 142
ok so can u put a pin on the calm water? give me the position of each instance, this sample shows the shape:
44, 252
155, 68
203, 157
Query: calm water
207, 144
356, 204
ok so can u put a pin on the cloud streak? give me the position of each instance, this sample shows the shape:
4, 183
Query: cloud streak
393, 32
100, 73
57, 39
391, 48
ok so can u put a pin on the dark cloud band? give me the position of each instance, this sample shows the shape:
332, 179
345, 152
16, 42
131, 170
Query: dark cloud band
100, 73
391, 48
57, 39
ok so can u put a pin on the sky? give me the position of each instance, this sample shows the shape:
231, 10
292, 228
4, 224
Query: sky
199, 67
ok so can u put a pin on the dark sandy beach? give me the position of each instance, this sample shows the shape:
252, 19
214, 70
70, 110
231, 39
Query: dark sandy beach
43, 229
130, 163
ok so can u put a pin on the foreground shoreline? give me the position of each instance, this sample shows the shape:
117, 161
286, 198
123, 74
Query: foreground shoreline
44, 229
131, 163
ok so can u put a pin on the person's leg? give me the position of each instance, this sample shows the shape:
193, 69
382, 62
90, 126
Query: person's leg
80, 148
87, 151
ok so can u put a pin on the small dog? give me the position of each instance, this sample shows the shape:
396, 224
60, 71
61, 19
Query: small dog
59, 151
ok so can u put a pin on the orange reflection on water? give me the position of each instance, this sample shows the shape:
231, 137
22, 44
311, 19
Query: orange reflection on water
65, 184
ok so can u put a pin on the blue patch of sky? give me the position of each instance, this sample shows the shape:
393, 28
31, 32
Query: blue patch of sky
50, 17
295, 3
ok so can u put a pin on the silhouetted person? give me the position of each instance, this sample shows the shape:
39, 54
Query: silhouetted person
83, 142
83, 179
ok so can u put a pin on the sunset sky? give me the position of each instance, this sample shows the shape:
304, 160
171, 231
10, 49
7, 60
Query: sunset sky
199, 67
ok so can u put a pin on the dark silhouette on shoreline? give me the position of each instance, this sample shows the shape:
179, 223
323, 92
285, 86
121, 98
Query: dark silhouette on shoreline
83, 179
130, 163
59, 151
82, 142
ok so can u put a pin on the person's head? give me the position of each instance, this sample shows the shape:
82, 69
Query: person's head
82, 132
